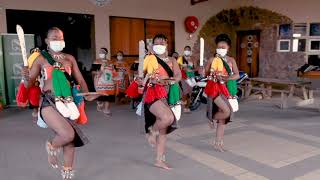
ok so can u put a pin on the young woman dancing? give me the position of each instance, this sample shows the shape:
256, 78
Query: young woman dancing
161, 91
221, 71
58, 109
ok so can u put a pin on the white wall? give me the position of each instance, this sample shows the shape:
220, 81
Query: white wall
175, 10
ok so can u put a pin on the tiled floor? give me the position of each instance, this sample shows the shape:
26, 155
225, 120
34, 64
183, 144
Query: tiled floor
263, 142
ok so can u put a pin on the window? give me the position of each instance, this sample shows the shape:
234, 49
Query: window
284, 45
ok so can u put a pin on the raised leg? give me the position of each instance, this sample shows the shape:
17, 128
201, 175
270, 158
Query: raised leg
64, 133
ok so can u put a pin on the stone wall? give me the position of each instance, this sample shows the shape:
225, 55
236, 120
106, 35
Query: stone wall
272, 64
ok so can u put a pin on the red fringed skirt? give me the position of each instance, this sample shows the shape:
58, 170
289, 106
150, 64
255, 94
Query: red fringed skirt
154, 93
214, 89
132, 90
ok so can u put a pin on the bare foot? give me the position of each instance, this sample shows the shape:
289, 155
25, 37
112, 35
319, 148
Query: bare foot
52, 155
162, 165
152, 139
107, 113
219, 147
211, 124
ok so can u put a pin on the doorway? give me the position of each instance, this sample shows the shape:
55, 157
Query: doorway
78, 31
125, 34
248, 46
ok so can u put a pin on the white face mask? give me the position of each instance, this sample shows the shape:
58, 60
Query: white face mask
119, 58
57, 46
187, 53
159, 49
222, 52
102, 56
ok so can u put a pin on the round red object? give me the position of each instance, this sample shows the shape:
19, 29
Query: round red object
192, 24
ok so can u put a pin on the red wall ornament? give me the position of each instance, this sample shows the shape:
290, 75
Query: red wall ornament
192, 24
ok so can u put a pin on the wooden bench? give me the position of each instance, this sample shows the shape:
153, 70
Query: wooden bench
266, 86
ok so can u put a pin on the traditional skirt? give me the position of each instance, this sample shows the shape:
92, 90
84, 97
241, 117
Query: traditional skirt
212, 109
153, 94
214, 89
79, 139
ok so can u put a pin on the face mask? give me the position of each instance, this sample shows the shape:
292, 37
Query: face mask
57, 46
222, 52
159, 49
187, 53
119, 58
102, 56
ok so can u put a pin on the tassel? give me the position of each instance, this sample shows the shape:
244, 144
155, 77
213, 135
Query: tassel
217, 65
83, 119
22, 95
77, 99
72, 108
34, 95
232, 87
174, 94
62, 108
132, 90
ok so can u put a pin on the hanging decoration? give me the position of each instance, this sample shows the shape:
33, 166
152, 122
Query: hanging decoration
191, 24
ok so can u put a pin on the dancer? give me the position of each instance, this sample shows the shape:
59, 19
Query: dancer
122, 69
222, 71
161, 90
188, 82
58, 109
103, 73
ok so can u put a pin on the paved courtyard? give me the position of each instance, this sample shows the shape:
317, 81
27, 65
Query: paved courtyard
264, 142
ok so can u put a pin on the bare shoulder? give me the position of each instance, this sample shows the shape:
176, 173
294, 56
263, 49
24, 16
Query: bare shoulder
70, 58
40, 60
231, 59
173, 60
210, 60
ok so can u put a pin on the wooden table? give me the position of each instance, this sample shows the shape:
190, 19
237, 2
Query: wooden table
266, 86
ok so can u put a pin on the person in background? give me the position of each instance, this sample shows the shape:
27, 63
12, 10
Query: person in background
122, 69
187, 66
175, 55
103, 74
